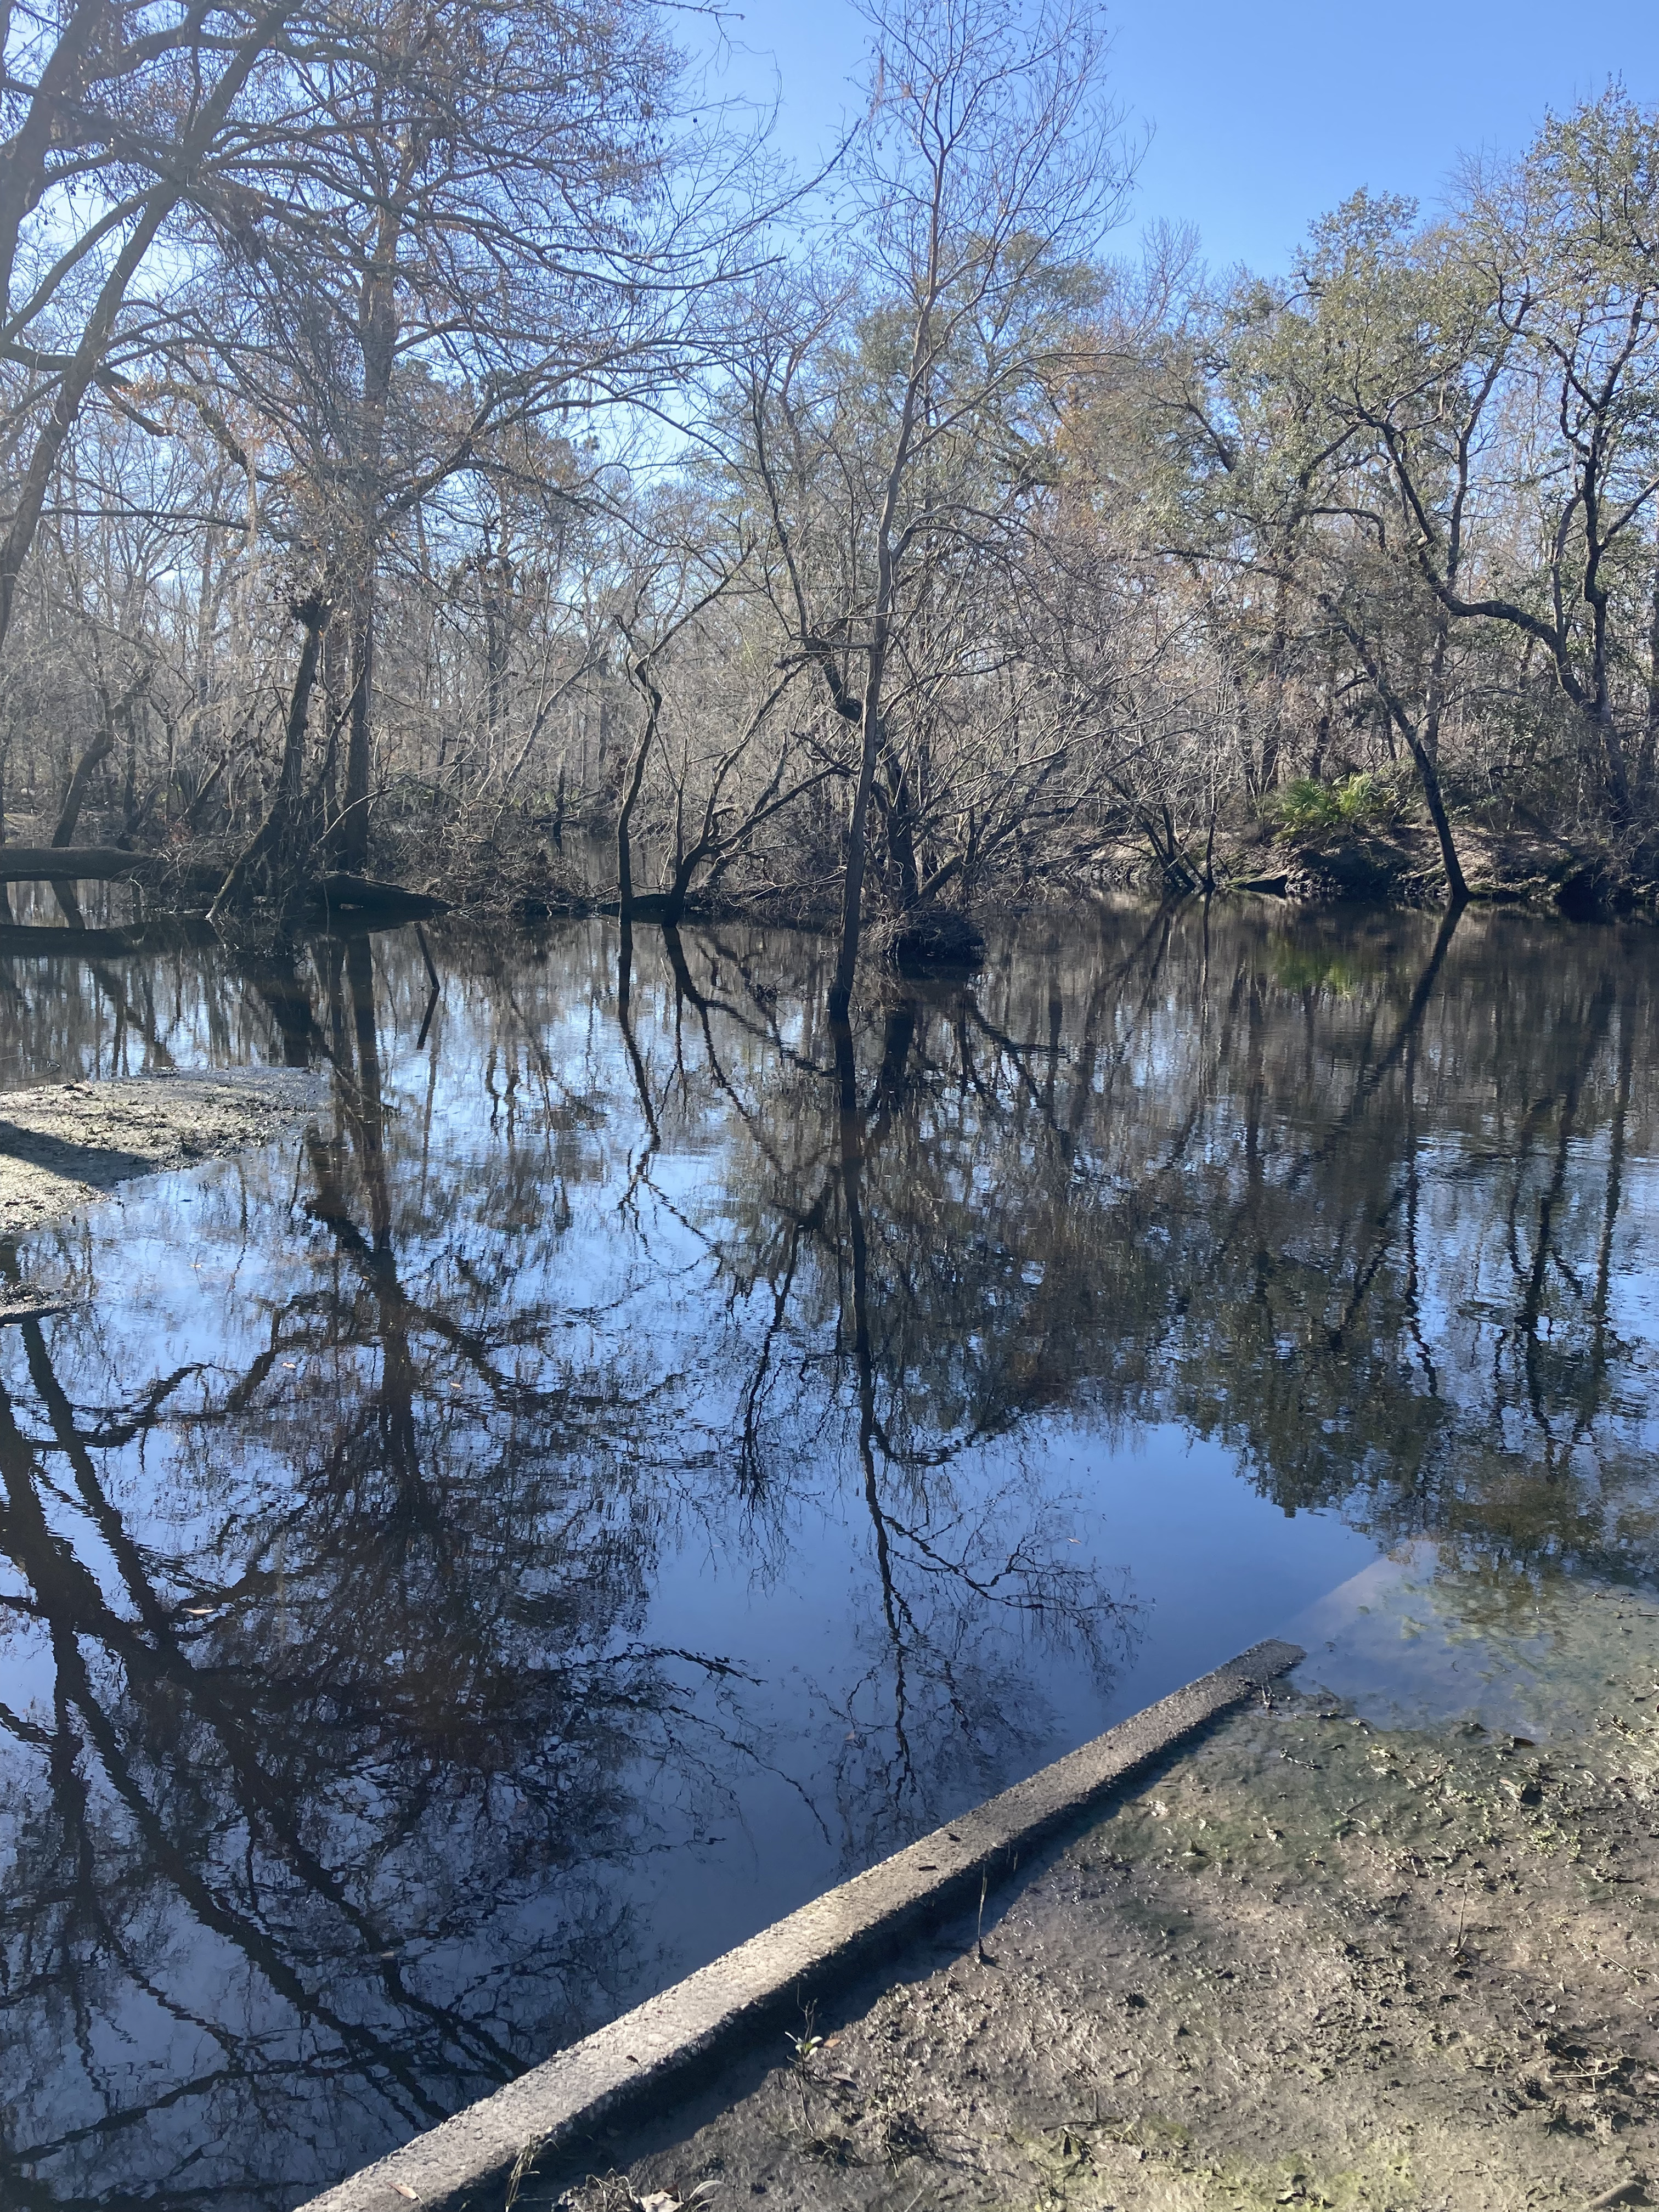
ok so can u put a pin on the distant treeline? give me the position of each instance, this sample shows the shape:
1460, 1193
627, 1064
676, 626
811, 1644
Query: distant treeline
436, 433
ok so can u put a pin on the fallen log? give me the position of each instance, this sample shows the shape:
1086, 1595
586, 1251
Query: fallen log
72, 864
362, 894
106, 863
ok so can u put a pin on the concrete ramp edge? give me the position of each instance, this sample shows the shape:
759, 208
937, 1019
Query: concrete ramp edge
643, 2062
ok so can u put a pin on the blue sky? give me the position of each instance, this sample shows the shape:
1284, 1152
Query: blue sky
1263, 116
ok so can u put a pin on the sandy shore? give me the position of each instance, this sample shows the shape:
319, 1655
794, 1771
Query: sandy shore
66, 1144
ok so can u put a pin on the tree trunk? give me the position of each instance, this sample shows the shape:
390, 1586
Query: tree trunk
351, 829
1457, 890
87, 359
631, 793
852, 905
898, 819
674, 898
22, 164
85, 769
336, 669
871, 730
378, 337
273, 847
1645, 760
131, 816
1278, 655
1396, 717
497, 581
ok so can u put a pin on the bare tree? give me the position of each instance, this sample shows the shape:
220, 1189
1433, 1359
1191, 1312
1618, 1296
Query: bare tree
118, 120
892, 458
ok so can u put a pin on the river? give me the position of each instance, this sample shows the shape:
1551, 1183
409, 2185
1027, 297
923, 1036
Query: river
627, 1464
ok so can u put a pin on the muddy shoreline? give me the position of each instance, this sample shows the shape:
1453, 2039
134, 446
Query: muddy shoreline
64, 1146
1312, 1959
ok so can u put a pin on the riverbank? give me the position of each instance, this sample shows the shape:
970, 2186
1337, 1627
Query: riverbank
1316, 1959
1394, 861
1397, 861
64, 1144
1306, 853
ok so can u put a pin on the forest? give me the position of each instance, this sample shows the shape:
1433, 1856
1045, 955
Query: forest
445, 448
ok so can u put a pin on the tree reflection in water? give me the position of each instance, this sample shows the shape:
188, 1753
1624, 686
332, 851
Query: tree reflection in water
350, 1745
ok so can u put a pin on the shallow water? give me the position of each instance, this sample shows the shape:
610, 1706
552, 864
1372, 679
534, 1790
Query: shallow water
624, 1468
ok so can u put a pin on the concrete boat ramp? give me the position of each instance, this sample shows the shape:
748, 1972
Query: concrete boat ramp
1377, 1937
560, 2120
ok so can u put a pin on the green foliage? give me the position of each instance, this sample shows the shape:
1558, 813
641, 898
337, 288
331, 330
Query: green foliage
1305, 806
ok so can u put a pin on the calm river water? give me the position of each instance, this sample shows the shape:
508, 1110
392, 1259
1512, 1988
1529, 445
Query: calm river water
620, 1470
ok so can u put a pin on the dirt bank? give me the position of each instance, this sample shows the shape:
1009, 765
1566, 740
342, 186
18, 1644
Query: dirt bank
66, 1144
1317, 1959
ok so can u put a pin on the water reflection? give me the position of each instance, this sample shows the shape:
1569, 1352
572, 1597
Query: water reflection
641, 1455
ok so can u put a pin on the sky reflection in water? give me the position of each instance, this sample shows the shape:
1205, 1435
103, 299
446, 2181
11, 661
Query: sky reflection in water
624, 1467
